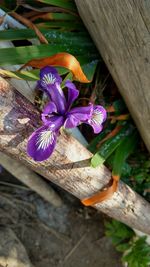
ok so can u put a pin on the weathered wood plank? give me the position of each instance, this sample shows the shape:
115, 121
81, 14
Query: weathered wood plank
121, 31
69, 166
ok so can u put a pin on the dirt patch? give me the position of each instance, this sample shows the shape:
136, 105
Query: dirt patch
65, 237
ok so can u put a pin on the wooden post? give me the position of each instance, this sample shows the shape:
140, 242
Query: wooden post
121, 31
69, 166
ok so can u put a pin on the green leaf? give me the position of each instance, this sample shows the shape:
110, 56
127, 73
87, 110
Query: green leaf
62, 25
119, 106
109, 146
96, 140
126, 168
123, 247
140, 177
118, 232
123, 151
10, 74
32, 75
61, 3
21, 55
63, 16
55, 36
139, 254
89, 69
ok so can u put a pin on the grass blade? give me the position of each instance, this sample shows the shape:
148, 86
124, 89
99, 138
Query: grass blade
123, 151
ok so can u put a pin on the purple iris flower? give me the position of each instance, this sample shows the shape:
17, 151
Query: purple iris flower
59, 112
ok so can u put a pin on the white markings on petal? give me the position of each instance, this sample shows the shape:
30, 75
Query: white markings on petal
48, 79
97, 117
23, 120
45, 138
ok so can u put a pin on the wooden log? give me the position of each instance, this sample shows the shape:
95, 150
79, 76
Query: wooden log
69, 166
121, 31
31, 179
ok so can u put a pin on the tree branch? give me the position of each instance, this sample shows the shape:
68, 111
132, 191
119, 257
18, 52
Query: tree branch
69, 166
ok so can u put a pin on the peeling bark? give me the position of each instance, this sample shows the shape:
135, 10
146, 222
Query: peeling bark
69, 166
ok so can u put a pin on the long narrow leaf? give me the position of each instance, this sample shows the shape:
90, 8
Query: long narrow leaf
21, 55
32, 75
61, 3
123, 151
62, 25
89, 69
56, 16
70, 39
109, 146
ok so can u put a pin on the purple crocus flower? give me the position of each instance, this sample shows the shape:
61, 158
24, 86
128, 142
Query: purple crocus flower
59, 112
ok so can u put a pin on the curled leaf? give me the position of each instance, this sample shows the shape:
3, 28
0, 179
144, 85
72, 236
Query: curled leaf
102, 195
62, 60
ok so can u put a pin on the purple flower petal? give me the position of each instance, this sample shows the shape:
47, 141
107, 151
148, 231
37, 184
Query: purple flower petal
57, 96
82, 113
50, 108
47, 111
72, 93
98, 116
71, 122
50, 83
54, 121
41, 143
77, 115
49, 76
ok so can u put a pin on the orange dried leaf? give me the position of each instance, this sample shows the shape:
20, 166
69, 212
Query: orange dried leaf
102, 195
61, 60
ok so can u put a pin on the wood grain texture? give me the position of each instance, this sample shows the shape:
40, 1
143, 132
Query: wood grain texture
121, 32
69, 166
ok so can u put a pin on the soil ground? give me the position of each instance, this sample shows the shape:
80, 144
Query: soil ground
69, 236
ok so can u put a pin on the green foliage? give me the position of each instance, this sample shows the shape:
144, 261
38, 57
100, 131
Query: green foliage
118, 232
122, 153
108, 148
140, 163
126, 147
20, 55
136, 252
111, 145
64, 33
119, 106
60, 3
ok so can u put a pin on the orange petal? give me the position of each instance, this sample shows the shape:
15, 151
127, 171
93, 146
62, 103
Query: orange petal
61, 60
